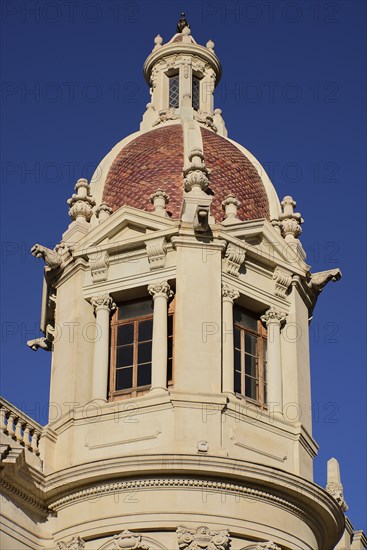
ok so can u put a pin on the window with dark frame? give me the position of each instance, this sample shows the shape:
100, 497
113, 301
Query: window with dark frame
174, 91
131, 348
250, 356
195, 92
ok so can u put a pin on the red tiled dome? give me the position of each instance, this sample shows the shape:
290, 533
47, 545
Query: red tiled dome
155, 160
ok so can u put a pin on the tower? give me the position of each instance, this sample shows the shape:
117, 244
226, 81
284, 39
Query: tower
176, 308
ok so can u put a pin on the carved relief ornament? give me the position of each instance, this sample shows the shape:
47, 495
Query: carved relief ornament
233, 259
282, 281
129, 541
202, 538
156, 251
76, 543
160, 289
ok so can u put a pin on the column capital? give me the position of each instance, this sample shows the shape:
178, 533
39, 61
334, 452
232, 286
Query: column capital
229, 294
103, 301
161, 288
273, 316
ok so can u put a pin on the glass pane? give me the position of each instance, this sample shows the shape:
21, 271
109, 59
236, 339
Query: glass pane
145, 330
245, 318
195, 93
174, 89
124, 356
125, 334
169, 370
144, 374
237, 382
169, 354
250, 365
124, 378
135, 308
145, 352
250, 387
250, 344
265, 350
237, 359
170, 325
237, 338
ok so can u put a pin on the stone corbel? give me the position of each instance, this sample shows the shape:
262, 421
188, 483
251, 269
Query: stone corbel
99, 263
320, 279
234, 258
203, 538
282, 281
76, 543
156, 251
129, 541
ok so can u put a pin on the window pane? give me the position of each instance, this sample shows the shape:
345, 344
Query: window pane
125, 334
135, 308
245, 318
170, 325
169, 352
124, 356
195, 93
250, 365
174, 88
237, 338
145, 352
145, 330
250, 344
124, 378
169, 370
237, 359
144, 374
250, 387
237, 382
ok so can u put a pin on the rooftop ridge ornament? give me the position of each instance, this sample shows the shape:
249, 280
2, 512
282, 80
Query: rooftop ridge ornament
182, 23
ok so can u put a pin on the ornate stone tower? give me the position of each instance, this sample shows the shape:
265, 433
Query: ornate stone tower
176, 310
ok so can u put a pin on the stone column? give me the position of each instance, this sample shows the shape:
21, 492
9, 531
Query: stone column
273, 320
103, 305
229, 295
161, 293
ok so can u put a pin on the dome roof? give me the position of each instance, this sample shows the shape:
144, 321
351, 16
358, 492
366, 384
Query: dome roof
155, 160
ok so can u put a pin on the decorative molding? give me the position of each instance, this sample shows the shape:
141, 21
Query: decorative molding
129, 541
81, 203
24, 495
282, 281
99, 263
156, 251
160, 289
206, 119
273, 315
104, 301
76, 543
202, 538
166, 114
234, 257
229, 294
335, 489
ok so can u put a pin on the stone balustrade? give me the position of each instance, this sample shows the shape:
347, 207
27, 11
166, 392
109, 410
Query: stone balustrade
19, 426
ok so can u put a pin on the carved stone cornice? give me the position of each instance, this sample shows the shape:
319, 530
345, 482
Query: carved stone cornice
76, 543
234, 257
103, 301
129, 541
202, 538
156, 251
273, 316
282, 282
229, 294
99, 263
160, 289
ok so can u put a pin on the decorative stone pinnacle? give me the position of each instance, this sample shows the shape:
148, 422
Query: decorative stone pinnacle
272, 315
159, 199
161, 288
82, 202
182, 23
197, 175
210, 45
103, 212
158, 41
290, 221
230, 206
334, 486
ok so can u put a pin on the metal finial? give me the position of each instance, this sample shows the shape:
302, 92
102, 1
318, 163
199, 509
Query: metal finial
182, 23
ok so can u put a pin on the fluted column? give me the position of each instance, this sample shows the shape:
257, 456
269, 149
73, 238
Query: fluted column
273, 320
229, 295
103, 305
161, 292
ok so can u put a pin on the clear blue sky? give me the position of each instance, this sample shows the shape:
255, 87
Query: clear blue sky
292, 92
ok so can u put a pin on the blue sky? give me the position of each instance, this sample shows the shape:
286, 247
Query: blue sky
292, 92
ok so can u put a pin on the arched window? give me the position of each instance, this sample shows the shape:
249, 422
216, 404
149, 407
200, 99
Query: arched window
174, 91
249, 355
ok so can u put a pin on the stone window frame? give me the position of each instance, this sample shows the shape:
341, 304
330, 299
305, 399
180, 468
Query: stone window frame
134, 391
261, 335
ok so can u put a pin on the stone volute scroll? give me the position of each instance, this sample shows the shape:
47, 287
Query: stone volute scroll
273, 319
202, 538
282, 280
234, 258
156, 252
161, 293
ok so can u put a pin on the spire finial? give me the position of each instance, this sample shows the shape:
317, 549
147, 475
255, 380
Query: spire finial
182, 23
